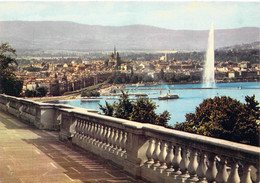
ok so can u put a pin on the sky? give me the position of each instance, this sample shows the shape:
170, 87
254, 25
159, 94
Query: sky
176, 15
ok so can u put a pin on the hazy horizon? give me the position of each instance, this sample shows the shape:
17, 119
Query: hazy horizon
124, 25
174, 15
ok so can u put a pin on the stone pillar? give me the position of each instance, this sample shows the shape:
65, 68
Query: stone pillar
45, 117
136, 147
67, 126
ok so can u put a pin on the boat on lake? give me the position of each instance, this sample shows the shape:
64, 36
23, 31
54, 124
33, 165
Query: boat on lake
169, 96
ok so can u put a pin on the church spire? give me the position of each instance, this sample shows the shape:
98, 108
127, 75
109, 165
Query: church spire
115, 51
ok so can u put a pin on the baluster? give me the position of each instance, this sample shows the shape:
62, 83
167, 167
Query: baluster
108, 138
246, 178
184, 163
118, 142
77, 129
100, 135
101, 129
222, 174
156, 154
193, 165
176, 161
95, 134
85, 130
91, 133
114, 141
149, 153
212, 168
111, 138
201, 171
124, 153
82, 129
169, 160
104, 135
234, 177
162, 157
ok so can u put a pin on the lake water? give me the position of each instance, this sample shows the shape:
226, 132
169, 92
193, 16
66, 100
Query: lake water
191, 95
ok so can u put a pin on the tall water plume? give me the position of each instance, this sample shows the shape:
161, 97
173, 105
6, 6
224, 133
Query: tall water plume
209, 73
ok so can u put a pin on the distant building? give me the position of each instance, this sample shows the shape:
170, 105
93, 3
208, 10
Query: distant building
244, 65
233, 74
114, 60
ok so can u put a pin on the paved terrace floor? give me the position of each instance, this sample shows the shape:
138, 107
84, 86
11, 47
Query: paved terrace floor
29, 155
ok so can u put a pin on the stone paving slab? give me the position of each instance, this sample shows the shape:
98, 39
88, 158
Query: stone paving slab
29, 155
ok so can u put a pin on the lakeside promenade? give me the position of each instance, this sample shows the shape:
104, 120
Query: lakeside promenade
30, 155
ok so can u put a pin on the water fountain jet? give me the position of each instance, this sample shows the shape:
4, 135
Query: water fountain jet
209, 72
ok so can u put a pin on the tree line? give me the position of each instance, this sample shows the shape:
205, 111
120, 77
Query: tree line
9, 83
118, 77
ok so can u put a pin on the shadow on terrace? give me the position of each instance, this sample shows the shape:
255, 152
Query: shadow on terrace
33, 155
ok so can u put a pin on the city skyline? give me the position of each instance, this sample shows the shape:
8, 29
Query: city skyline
176, 15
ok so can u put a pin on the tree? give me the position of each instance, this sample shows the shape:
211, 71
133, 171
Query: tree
143, 110
40, 91
90, 94
124, 108
108, 109
9, 83
225, 118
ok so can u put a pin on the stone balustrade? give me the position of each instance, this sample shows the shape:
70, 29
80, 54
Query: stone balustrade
41, 115
151, 152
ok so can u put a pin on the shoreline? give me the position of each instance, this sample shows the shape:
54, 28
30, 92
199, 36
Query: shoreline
103, 91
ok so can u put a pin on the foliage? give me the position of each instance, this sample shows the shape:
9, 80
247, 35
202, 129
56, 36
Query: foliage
90, 94
225, 118
9, 83
123, 78
108, 109
143, 110
124, 108
32, 69
38, 92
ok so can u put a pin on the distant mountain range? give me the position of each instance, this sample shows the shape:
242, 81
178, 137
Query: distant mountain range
57, 35
239, 47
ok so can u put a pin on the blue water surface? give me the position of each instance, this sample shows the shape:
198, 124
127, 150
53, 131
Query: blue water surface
191, 95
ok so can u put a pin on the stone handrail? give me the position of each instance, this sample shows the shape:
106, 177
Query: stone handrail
151, 152
41, 115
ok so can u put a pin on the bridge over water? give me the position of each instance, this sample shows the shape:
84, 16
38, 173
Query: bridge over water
42, 142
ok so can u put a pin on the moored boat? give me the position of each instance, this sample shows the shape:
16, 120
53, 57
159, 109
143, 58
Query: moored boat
168, 96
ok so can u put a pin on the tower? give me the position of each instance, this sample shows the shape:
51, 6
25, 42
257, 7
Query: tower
115, 52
